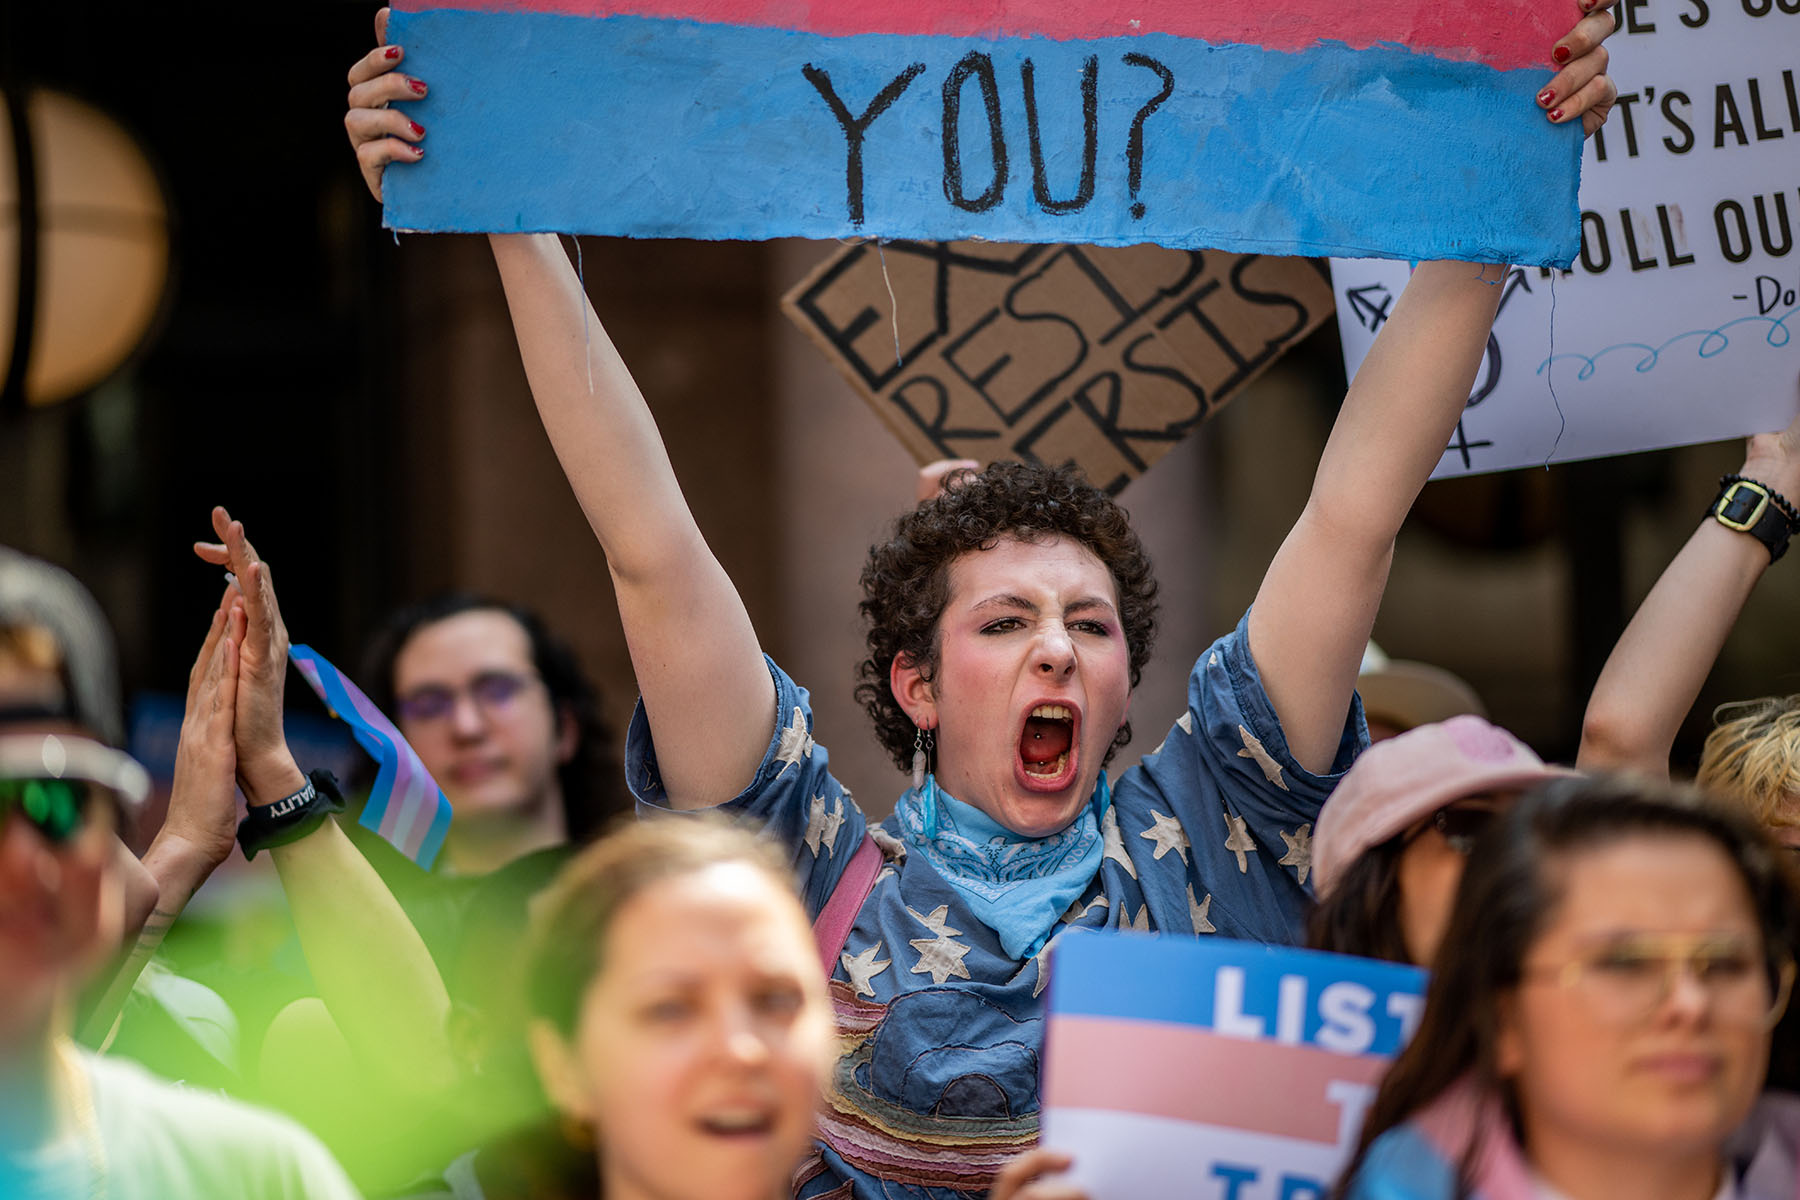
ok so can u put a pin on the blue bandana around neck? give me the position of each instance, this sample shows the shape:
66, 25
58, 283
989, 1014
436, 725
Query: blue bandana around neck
1018, 886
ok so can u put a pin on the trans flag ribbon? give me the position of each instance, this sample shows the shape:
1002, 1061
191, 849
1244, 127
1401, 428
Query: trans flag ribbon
1404, 129
405, 806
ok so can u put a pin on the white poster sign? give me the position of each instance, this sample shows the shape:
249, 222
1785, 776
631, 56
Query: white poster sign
1678, 322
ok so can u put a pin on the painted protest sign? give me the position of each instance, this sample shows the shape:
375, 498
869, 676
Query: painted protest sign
1397, 127
1106, 357
1215, 1068
1677, 323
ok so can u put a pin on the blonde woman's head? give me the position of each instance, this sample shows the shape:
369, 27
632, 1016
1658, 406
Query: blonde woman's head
1752, 757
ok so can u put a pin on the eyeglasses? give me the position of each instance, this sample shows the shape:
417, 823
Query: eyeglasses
492, 691
1628, 979
53, 782
1458, 824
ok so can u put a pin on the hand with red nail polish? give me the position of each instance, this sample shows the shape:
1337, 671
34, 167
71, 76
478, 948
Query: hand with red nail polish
1582, 87
379, 134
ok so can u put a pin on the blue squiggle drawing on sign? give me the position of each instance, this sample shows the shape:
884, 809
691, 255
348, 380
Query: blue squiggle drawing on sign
1712, 343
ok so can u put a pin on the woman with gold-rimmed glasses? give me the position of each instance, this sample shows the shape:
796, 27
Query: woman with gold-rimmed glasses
1599, 1014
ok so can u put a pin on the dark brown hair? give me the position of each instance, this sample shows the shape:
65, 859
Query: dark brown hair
906, 583
1361, 916
592, 781
1509, 892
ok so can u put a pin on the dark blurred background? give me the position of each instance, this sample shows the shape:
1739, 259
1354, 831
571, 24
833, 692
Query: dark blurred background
358, 401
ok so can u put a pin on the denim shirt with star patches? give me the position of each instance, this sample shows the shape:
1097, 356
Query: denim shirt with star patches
942, 1030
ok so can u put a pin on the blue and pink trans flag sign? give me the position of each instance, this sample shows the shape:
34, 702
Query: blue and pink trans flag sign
1356, 128
405, 806
1176, 1067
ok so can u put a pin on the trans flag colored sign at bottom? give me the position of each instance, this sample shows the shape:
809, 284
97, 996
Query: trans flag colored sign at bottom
1216, 1069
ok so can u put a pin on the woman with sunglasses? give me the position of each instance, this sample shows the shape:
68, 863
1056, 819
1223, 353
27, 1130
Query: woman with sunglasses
1598, 1018
1394, 836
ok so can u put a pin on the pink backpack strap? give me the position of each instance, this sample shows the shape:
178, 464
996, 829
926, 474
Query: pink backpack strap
832, 929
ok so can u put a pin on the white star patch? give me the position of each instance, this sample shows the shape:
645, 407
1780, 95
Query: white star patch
892, 848
822, 827
1299, 849
939, 957
1212, 660
1168, 835
938, 921
1185, 723
796, 743
863, 967
1239, 841
1115, 843
1137, 924
1254, 751
1042, 959
1077, 911
1198, 913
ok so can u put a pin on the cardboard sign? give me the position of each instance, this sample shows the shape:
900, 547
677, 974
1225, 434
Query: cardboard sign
1102, 357
1678, 321
1176, 1067
1392, 127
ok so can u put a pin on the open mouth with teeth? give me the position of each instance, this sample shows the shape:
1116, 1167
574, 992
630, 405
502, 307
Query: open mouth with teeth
738, 1126
1047, 750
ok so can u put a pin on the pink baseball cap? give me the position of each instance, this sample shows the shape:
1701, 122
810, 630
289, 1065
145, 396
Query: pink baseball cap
1398, 782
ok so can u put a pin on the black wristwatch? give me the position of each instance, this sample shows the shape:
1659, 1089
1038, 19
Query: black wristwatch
292, 817
1756, 509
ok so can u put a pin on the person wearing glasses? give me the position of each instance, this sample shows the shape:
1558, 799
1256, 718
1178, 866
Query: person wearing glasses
505, 720
1395, 835
1598, 1019
73, 1123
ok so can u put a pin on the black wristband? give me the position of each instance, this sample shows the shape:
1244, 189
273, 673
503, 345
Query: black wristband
292, 817
1753, 508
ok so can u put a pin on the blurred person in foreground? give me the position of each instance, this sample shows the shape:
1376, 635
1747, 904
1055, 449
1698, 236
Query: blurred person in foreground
678, 1016
73, 1123
1598, 1019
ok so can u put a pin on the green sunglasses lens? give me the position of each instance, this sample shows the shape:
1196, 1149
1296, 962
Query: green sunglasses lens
53, 806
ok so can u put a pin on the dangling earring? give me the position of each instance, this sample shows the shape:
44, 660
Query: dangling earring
923, 781
921, 764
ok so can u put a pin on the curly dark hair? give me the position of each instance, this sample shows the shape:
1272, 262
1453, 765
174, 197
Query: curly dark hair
906, 583
592, 780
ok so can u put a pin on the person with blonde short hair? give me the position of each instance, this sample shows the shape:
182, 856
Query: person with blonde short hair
1753, 756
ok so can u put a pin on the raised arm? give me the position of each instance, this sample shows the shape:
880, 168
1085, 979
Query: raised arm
699, 666
1654, 674
706, 690
372, 970
1317, 604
